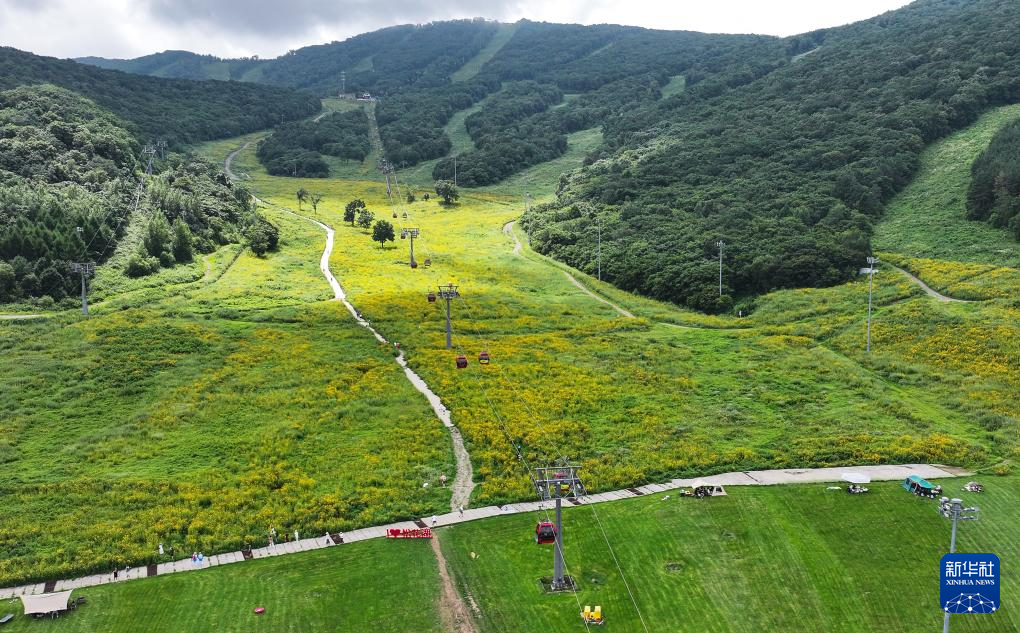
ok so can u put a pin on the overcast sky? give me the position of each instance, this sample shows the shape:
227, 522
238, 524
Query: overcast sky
233, 28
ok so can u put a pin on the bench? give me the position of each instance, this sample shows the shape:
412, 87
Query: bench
7, 618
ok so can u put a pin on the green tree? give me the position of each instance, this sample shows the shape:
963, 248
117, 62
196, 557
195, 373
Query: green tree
410, 197
302, 195
352, 208
448, 191
158, 241
365, 218
316, 198
8, 282
383, 232
183, 242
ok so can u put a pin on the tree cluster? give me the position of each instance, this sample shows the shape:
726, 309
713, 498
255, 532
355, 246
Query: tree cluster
295, 149
994, 193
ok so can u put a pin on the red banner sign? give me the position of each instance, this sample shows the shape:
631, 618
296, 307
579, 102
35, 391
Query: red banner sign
409, 533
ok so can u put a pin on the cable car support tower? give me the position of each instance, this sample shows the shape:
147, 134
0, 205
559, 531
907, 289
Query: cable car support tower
449, 293
411, 233
557, 483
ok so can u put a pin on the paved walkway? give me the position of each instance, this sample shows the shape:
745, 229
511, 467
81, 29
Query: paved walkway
746, 478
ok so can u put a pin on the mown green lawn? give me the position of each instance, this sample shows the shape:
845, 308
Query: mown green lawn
781, 558
381, 586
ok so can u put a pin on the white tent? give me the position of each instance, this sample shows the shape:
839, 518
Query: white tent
46, 602
856, 478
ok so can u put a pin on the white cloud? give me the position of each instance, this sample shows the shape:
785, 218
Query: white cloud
123, 28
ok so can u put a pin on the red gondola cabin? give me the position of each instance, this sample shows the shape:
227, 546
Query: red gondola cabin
461, 361
545, 533
483, 358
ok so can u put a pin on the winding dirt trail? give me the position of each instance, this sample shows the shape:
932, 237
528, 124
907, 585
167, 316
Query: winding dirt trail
463, 481
452, 609
935, 294
230, 160
508, 229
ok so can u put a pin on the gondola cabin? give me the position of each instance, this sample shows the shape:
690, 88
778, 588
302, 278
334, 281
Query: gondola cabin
461, 361
428, 262
483, 358
545, 533
432, 297
394, 215
414, 264
921, 487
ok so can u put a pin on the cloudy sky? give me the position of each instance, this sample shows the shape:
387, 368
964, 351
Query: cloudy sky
233, 28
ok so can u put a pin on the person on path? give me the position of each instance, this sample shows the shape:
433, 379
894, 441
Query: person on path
341, 535
194, 558
442, 479
296, 537
271, 543
435, 520
462, 510
201, 559
328, 539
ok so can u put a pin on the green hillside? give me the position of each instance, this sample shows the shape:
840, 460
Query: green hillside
177, 111
791, 169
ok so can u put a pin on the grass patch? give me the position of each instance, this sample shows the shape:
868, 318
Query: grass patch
937, 197
776, 558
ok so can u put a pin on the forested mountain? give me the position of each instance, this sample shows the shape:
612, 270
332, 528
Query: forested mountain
176, 110
66, 163
178, 65
789, 169
994, 194
383, 61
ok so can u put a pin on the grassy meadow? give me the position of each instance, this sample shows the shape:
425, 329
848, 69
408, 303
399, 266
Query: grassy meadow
201, 415
633, 400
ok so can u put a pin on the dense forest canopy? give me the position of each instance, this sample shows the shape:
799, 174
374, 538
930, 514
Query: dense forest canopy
66, 163
296, 149
178, 111
994, 194
790, 169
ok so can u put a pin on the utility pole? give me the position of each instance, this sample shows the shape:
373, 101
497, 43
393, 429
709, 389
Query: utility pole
871, 270
449, 293
149, 151
953, 509
410, 233
558, 483
87, 269
598, 225
720, 244
161, 146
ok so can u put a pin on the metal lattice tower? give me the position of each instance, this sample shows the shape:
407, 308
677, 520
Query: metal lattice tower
558, 483
871, 270
149, 151
86, 269
721, 245
449, 293
410, 233
161, 146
